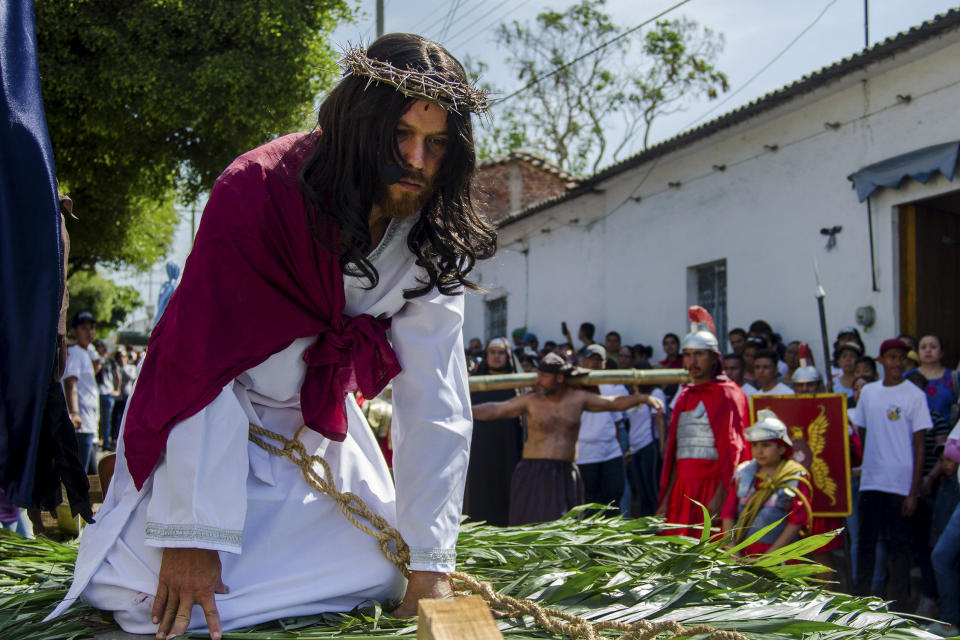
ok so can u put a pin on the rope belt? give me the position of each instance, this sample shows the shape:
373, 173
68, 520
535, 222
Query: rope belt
552, 620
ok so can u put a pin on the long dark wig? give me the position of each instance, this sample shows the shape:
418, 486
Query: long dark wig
357, 137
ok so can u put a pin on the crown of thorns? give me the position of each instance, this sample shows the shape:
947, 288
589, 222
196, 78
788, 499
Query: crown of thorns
448, 92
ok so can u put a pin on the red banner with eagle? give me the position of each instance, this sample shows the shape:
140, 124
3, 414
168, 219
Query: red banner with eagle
817, 425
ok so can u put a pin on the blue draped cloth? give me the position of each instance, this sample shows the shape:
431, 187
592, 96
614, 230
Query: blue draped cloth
31, 253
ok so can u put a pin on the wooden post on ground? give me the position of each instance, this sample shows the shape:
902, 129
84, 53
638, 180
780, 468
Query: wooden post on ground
466, 618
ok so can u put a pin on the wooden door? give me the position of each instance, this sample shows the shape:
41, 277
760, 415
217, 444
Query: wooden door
930, 272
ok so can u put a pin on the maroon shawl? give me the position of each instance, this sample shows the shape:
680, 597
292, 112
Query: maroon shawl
255, 281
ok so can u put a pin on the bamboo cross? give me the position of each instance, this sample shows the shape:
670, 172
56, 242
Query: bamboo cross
633, 377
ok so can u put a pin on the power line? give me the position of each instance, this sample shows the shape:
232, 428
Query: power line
593, 51
516, 8
425, 31
452, 18
766, 66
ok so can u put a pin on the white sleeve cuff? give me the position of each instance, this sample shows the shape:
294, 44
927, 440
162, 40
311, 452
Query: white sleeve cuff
440, 560
194, 536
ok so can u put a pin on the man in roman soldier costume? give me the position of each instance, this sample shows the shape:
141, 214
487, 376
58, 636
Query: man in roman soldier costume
705, 442
310, 248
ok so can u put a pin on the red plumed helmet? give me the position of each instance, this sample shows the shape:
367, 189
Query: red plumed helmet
702, 332
700, 320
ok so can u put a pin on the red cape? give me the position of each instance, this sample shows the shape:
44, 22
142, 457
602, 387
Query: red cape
729, 414
255, 281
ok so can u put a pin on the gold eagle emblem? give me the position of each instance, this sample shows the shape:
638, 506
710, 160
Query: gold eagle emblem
815, 441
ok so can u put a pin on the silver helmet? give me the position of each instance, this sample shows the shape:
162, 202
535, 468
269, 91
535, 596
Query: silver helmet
767, 427
806, 372
702, 332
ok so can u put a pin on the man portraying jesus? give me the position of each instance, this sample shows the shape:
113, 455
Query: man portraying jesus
310, 248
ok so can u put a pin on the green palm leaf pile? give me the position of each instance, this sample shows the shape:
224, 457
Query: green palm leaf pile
593, 566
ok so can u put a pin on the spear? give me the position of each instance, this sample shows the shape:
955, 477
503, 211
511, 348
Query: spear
827, 378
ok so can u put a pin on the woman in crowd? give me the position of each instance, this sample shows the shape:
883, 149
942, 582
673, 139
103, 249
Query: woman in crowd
671, 348
845, 356
940, 381
495, 448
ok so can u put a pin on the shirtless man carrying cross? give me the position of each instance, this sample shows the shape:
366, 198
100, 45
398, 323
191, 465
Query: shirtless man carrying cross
546, 483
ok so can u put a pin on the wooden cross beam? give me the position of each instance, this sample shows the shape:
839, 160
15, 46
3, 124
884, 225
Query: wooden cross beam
629, 377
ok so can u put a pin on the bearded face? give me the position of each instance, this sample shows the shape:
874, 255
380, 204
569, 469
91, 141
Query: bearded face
421, 138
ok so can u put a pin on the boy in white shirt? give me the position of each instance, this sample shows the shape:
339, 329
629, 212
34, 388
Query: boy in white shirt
765, 371
80, 385
894, 415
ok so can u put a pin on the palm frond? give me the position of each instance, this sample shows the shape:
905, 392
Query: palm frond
586, 563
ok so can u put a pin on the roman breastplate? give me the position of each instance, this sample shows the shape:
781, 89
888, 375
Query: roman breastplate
694, 435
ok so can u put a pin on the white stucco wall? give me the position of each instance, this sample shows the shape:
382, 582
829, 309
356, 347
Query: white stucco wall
622, 264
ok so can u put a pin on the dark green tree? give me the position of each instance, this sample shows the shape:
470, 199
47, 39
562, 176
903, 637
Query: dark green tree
567, 114
110, 304
147, 101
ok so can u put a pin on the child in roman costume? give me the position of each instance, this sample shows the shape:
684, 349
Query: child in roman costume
767, 489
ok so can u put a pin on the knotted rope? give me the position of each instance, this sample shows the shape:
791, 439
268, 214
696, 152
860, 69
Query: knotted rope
552, 620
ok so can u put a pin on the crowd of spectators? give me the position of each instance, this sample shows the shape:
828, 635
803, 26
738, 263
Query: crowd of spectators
902, 407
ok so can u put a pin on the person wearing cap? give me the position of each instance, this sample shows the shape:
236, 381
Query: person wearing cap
705, 440
495, 446
893, 417
599, 454
517, 335
547, 483
80, 384
768, 488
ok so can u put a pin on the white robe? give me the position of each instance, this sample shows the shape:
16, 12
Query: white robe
287, 550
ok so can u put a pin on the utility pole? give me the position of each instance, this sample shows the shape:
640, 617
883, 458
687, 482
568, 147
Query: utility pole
866, 23
380, 17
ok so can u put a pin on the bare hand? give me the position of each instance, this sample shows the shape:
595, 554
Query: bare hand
77, 421
187, 577
654, 403
909, 506
422, 584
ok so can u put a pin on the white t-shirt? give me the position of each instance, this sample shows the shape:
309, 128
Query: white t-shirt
642, 430
748, 389
891, 415
778, 389
598, 431
80, 366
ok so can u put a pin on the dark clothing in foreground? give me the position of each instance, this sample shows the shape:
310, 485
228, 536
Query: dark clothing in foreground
543, 490
34, 442
604, 482
645, 468
494, 453
880, 516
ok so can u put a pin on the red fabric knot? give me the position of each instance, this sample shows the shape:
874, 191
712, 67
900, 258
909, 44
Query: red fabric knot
332, 372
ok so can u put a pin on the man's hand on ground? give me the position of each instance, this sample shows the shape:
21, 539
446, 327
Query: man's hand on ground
187, 577
422, 584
